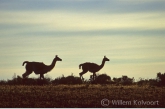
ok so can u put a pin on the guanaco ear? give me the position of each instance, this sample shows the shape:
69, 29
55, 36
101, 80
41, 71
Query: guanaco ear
104, 56
56, 55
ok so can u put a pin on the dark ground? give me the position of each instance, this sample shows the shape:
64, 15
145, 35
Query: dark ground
81, 96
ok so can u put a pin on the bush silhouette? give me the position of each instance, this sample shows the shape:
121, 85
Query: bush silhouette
124, 80
3, 82
161, 79
67, 80
26, 81
102, 79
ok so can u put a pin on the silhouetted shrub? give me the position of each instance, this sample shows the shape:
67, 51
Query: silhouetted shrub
102, 79
26, 81
142, 82
3, 82
153, 82
32, 81
161, 79
117, 80
124, 80
67, 80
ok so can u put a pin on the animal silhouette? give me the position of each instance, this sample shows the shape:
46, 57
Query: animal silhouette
39, 67
92, 67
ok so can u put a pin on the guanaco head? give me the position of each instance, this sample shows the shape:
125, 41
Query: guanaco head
57, 58
106, 59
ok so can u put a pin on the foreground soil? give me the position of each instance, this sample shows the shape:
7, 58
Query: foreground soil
81, 96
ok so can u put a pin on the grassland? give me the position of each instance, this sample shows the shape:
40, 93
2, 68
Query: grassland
79, 96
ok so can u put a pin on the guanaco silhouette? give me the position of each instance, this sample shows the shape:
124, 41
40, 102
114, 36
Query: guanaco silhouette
39, 67
92, 67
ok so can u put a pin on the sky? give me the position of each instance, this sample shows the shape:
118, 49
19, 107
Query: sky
128, 32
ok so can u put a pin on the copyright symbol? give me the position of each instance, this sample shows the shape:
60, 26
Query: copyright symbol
105, 102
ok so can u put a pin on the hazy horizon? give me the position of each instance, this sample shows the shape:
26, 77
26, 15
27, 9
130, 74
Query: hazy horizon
130, 33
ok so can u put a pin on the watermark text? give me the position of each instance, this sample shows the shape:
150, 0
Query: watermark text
107, 102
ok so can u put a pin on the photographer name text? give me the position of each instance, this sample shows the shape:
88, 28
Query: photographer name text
134, 102
106, 102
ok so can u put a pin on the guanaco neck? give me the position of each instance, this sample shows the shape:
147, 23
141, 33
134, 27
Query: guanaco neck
102, 64
51, 66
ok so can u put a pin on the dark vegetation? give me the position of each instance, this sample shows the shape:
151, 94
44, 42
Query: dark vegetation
100, 79
72, 96
71, 91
